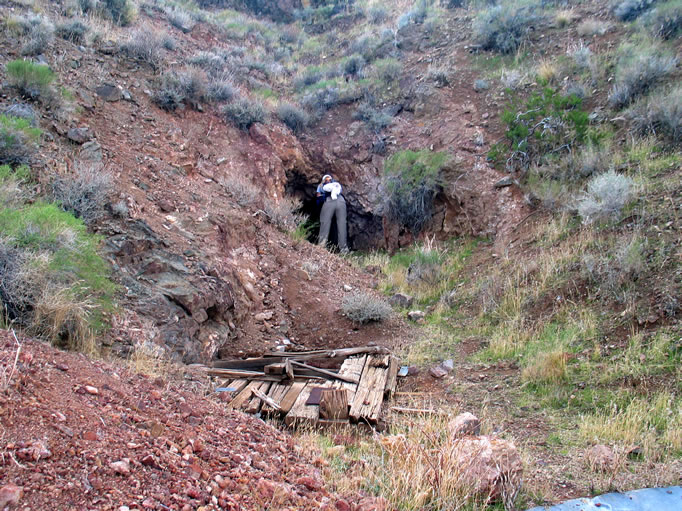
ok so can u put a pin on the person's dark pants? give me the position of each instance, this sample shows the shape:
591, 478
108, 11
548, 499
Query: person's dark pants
332, 208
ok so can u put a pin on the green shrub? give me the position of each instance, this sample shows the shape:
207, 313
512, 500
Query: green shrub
73, 31
363, 308
51, 278
546, 122
18, 140
639, 69
208, 61
176, 89
505, 27
319, 101
411, 180
660, 115
605, 197
293, 116
121, 12
375, 119
628, 10
377, 14
31, 80
439, 75
665, 21
220, 90
245, 112
353, 65
387, 70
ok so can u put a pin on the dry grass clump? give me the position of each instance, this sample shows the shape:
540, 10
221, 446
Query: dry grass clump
549, 367
606, 196
364, 308
284, 213
593, 27
660, 114
145, 45
653, 423
151, 359
85, 193
241, 189
565, 17
548, 71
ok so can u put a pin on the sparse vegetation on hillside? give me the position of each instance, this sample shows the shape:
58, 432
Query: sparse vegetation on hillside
18, 140
363, 308
412, 180
504, 27
31, 80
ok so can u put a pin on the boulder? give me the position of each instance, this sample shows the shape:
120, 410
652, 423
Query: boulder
465, 424
401, 300
109, 92
10, 494
491, 467
79, 135
504, 182
601, 458
438, 371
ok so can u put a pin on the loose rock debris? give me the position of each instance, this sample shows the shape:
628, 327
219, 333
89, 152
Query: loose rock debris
289, 385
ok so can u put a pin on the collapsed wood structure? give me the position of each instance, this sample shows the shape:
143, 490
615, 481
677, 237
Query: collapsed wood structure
289, 385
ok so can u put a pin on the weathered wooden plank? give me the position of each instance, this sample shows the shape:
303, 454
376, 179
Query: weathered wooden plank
301, 412
352, 367
233, 373
245, 395
392, 377
324, 372
334, 404
266, 400
291, 395
370, 394
254, 404
276, 393
238, 385
252, 364
340, 353
379, 360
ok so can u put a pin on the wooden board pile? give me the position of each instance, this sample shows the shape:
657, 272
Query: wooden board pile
289, 385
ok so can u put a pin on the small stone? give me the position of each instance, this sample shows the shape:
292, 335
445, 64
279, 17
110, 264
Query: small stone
401, 300
92, 390
342, 505
62, 367
416, 315
79, 135
437, 371
347, 288
121, 467
504, 182
601, 458
263, 316
108, 92
90, 436
10, 494
309, 482
448, 365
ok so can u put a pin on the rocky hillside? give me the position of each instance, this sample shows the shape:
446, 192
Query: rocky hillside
511, 170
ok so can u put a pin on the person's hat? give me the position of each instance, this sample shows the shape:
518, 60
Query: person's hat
325, 177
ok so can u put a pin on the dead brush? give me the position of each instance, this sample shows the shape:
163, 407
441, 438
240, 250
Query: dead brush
8, 370
241, 189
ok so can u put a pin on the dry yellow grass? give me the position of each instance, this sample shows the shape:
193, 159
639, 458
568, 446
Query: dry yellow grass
548, 70
547, 367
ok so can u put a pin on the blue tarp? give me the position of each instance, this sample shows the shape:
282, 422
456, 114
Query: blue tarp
648, 499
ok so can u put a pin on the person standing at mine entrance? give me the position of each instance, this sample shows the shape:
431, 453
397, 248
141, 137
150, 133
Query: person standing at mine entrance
329, 194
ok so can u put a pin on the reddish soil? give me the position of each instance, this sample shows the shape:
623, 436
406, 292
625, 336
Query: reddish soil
78, 434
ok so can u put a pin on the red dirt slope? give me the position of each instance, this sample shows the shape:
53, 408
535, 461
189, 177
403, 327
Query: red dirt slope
78, 434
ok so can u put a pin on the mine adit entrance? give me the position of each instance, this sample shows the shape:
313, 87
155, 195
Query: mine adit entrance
365, 230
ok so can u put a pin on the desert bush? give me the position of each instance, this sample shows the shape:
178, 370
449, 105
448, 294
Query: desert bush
512, 79
377, 14
505, 27
145, 45
18, 140
310, 76
616, 269
546, 122
284, 213
628, 10
592, 160
208, 61
546, 367
245, 112
31, 80
85, 193
606, 196
319, 101
37, 32
412, 179
581, 55
55, 283
293, 116
21, 111
363, 308
220, 89
354, 64
74, 31
11, 192
241, 189
387, 70
638, 71
121, 12
181, 19
418, 14
376, 119
661, 115
187, 87
439, 75
665, 21
481, 85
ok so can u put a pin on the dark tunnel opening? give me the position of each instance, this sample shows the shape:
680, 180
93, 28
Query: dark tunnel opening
365, 230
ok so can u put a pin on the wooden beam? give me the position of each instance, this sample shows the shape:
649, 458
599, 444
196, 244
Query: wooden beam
370, 394
254, 404
300, 412
250, 364
334, 404
291, 395
276, 394
266, 400
330, 374
352, 367
340, 353
392, 377
245, 395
